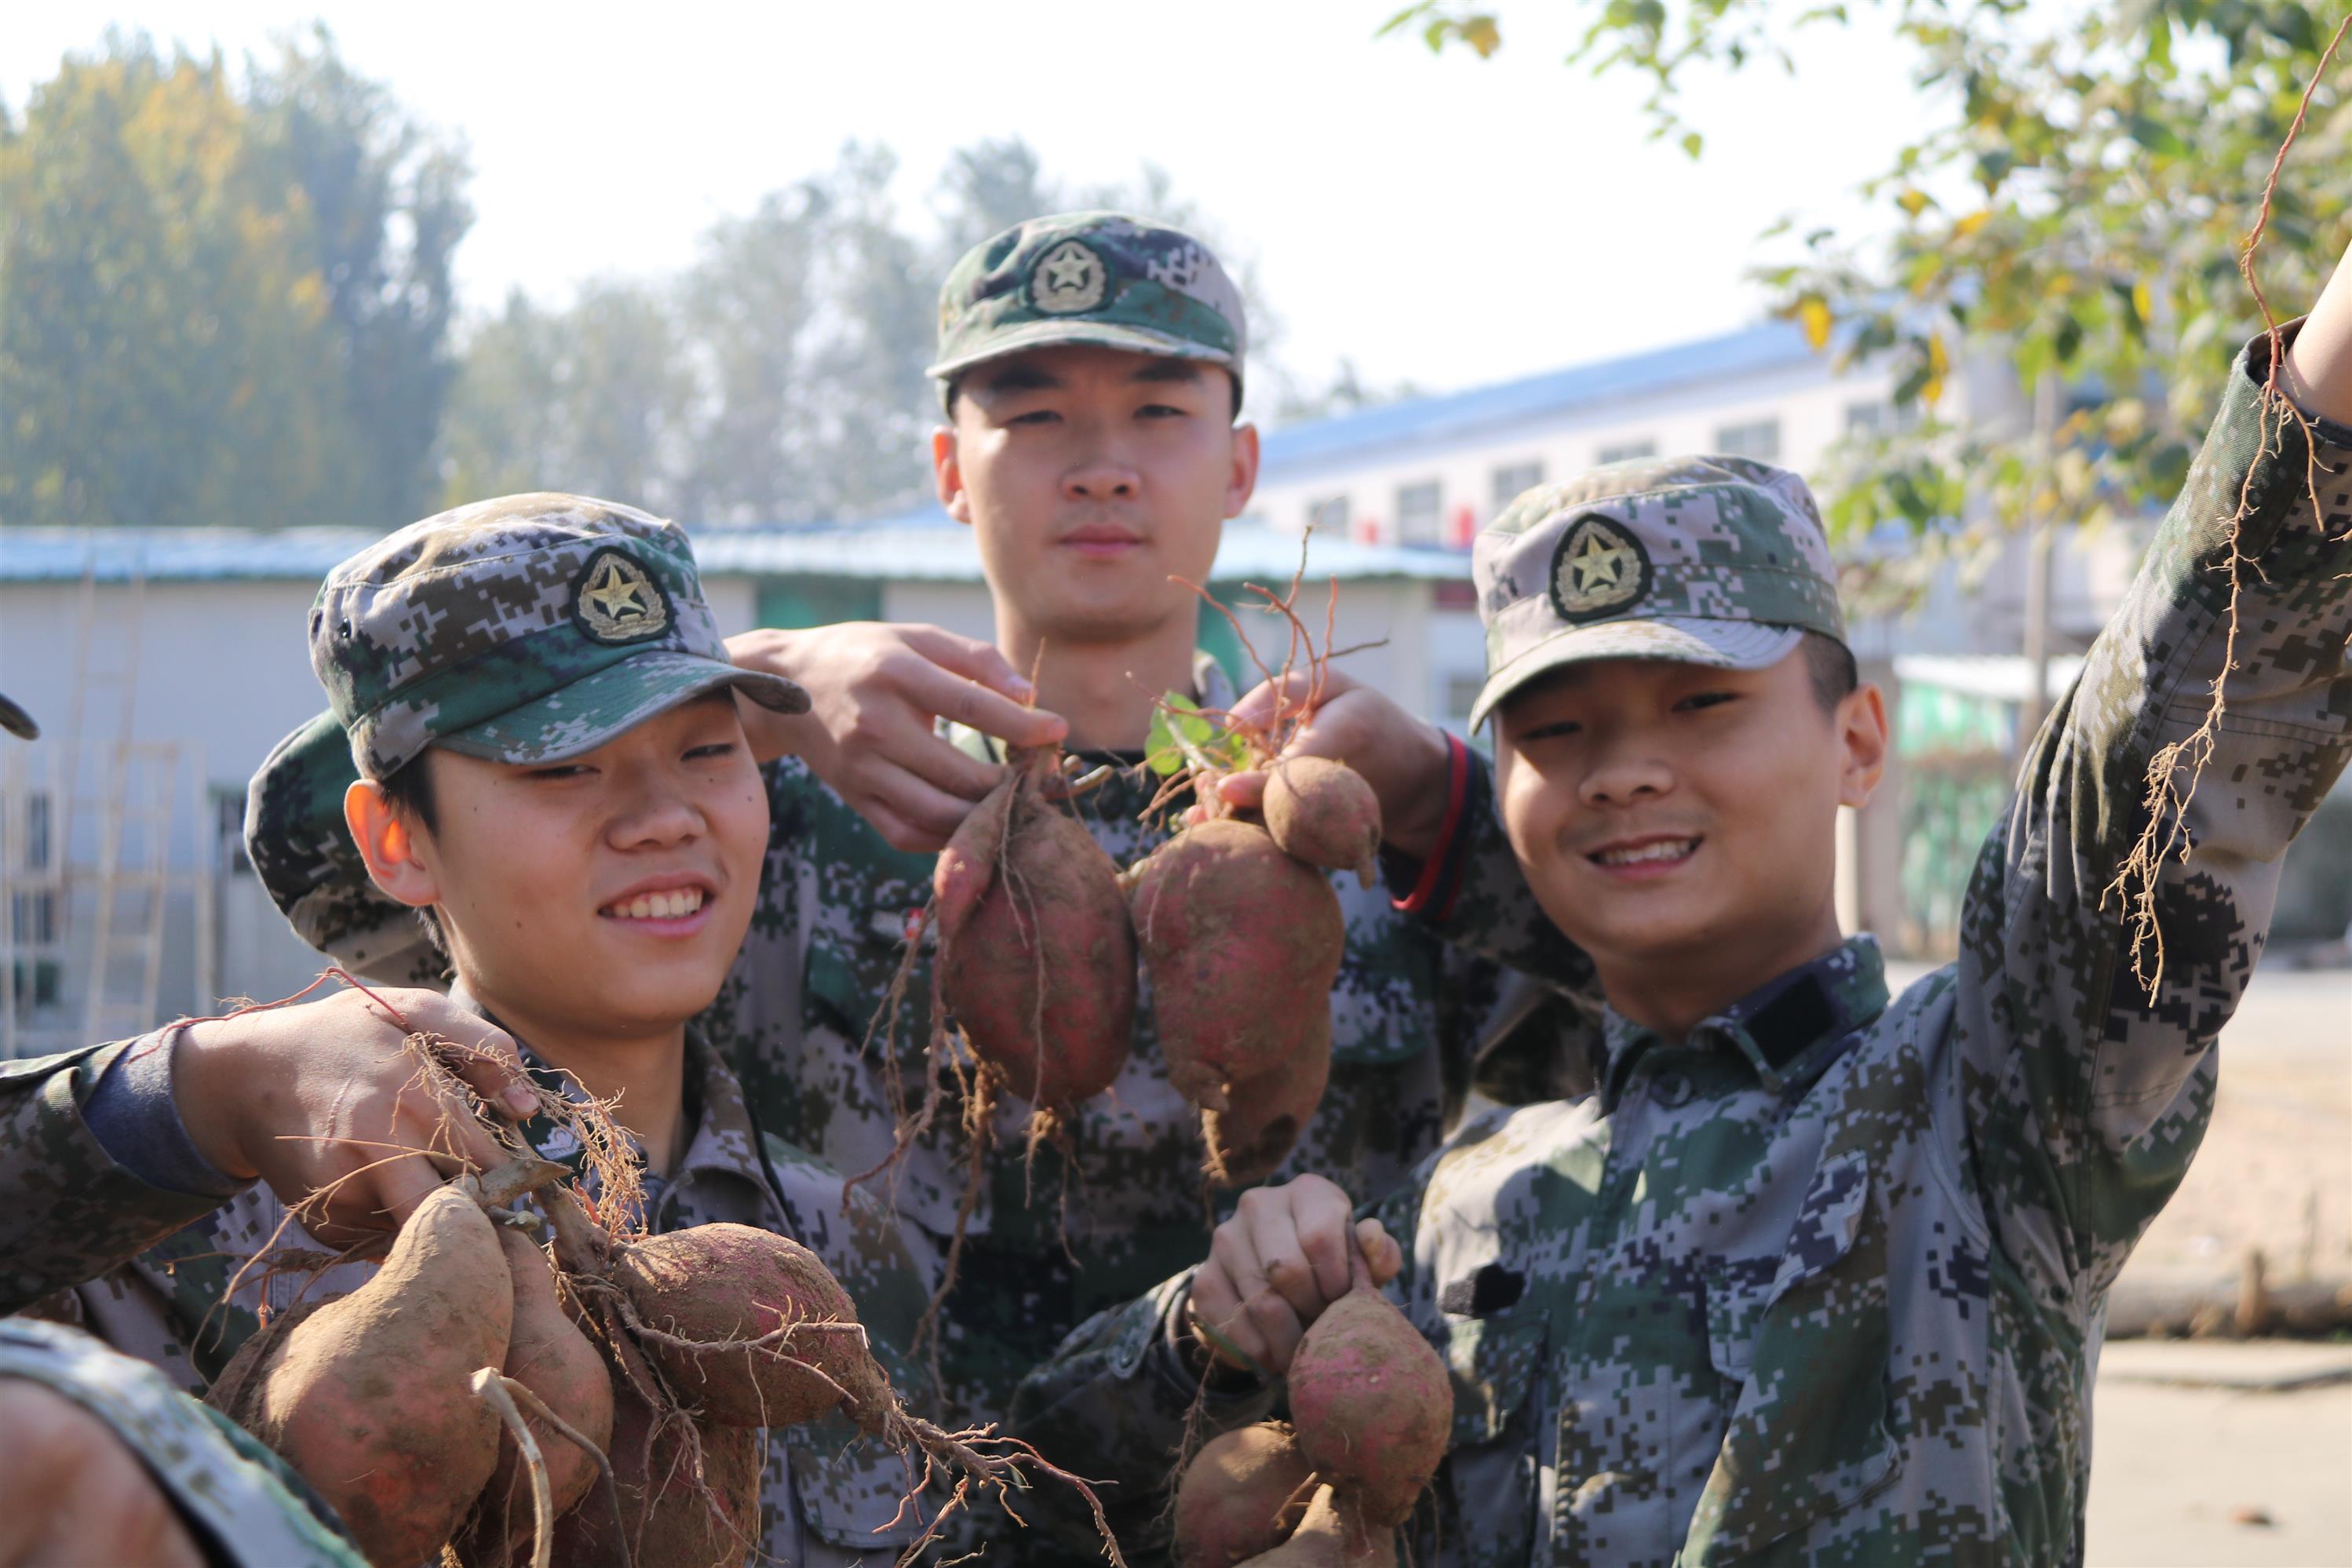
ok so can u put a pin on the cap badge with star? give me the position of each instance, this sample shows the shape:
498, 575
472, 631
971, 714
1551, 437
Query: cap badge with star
618, 601
1067, 280
1598, 568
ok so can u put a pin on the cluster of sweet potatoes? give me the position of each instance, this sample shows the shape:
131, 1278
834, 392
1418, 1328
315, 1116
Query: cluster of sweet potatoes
475, 1391
1370, 1411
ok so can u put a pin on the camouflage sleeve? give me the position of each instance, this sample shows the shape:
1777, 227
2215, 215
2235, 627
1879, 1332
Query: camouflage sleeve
248, 1508
2079, 1093
68, 1210
1113, 1403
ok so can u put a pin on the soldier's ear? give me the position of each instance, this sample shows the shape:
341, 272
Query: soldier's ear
1863, 735
947, 476
389, 842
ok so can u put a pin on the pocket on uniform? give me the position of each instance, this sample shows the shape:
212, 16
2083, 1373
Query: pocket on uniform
845, 976
1488, 1485
849, 1493
1802, 1343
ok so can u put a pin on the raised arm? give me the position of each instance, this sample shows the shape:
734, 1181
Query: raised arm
2113, 922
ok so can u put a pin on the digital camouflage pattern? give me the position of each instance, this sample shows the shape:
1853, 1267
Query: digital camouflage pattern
67, 1211
524, 629
1717, 560
1100, 278
1051, 1242
829, 1500
1827, 1282
244, 1507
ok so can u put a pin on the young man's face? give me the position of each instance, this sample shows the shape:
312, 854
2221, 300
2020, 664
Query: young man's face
606, 894
1091, 476
1669, 813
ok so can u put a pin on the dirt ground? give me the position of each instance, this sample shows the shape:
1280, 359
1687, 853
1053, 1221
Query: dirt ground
2222, 1456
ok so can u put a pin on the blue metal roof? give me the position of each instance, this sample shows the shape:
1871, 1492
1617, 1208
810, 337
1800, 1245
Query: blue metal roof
921, 546
1455, 416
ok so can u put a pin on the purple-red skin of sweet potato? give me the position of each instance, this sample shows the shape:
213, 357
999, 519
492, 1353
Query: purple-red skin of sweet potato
1241, 1496
1242, 944
1372, 1404
1322, 812
669, 1517
722, 1285
1036, 952
370, 1396
547, 1354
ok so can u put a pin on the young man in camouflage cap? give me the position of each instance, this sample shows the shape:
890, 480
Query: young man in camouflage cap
1812, 1276
1091, 366
543, 721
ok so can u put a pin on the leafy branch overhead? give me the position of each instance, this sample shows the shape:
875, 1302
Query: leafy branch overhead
2070, 222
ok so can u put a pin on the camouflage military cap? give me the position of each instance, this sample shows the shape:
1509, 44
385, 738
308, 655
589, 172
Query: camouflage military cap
524, 629
17, 721
295, 837
1098, 278
1718, 561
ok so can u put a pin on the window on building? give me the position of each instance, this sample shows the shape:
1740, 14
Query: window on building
1626, 451
1758, 438
1878, 418
1511, 479
1419, 509
1328, 515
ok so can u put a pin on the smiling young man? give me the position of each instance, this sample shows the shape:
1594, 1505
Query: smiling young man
1812, 1275
552, 768
1091, 368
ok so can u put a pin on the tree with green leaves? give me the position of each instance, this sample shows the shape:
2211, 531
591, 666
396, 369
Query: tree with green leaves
220, 304
2077, 218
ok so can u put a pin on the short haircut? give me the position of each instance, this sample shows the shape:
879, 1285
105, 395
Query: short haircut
1831, 665
408, 791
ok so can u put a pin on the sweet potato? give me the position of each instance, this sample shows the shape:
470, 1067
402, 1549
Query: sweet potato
671, 1515
1247, 1141
1036, 955
1241, 944
1372, 1404
1331, 1536
1242, 1494
736, 1290
1322, 812
547, 1354
368, 1396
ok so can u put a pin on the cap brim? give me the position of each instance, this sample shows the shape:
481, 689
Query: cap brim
17, 721
620, 697
1078, 330
1725, 645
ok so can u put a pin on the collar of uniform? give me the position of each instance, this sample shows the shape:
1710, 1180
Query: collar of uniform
719, 1144
1790, 1029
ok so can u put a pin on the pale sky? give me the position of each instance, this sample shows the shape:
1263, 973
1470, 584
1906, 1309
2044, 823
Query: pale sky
1441, 219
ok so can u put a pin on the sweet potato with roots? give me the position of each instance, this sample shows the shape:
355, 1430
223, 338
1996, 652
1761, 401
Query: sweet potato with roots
750, 1328
1037, 958
1242, 1494
548, 1354
1372, 1403
367, 1396
1322, 812
1242, 944
687, 1493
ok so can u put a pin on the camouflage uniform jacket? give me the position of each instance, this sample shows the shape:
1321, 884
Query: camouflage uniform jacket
821, 957
1826, 1282
244, 1507
824, 1499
